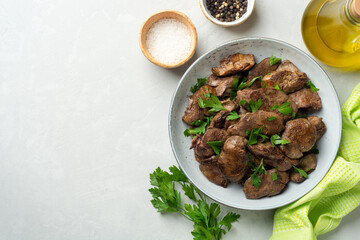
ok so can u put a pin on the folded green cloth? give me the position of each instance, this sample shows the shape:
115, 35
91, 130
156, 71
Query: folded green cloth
338, 193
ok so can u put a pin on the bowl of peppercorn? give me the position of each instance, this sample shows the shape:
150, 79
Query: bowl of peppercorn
227, 13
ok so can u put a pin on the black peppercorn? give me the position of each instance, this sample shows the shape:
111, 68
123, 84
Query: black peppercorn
227, 10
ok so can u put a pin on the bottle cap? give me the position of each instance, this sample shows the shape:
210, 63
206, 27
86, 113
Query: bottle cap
355, 9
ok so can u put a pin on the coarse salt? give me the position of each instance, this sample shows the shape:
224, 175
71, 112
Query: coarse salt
169, 41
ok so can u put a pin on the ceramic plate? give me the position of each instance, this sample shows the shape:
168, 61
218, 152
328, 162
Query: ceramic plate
261, 47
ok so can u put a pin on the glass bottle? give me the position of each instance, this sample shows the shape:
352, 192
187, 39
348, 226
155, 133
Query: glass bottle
331, 31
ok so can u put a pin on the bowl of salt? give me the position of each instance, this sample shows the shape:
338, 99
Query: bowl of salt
168, 39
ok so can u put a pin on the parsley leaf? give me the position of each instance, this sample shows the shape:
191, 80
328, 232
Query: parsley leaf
199, 84
301, 116
242, 84
274, 107
312, 86
205, 217
251, 164
302, 172
199, 130
254, 134
285, 108
276, 140
278, 88
274, 176
314, 150
211, 102
253, 137
253, 106
271, 118
229, 219
274, 60
216, 146
255, 179
232, 116
233, 89
242, 102
253, 80
196, 123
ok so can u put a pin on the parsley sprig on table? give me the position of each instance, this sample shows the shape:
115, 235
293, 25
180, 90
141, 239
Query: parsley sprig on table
255, 179
207, 223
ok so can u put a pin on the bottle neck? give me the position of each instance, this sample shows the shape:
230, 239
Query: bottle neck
352, 10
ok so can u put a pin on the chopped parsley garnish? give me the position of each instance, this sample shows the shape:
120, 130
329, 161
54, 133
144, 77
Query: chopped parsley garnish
302, 172
293, 115
253, 106
166, 198
271, 118
233, 89
211, 102
251, 164
216, 146
283, 108
196, 123
242, 84
255, 134
314, 150
274, 60
274, 176
277, 87
274, 107
255, 179
253, 80
276, 140
241, 102
301, 116
312, 86
232, 116
198, 85
201, 127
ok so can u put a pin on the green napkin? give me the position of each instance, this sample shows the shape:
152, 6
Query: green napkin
338, 193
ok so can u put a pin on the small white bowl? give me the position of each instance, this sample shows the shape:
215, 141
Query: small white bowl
250, 9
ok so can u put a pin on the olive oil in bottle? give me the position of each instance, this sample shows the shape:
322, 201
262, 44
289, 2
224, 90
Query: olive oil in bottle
331, 31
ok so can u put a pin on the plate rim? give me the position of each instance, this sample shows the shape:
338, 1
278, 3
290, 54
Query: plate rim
237, 40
